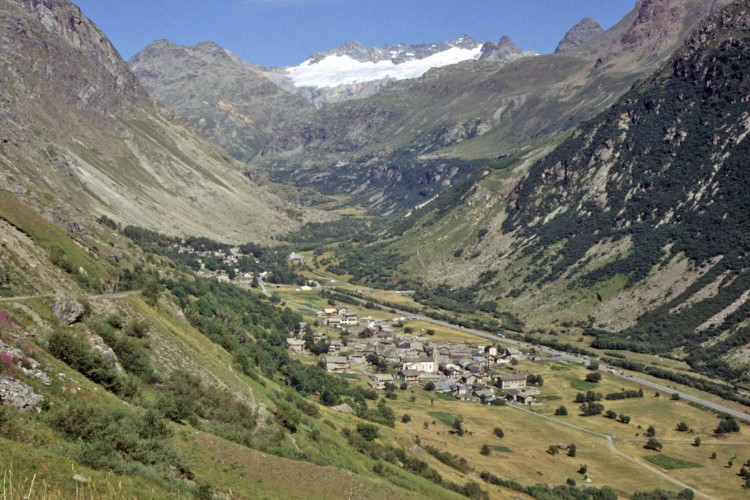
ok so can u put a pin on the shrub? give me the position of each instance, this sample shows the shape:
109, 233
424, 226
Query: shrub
499, 432
653, 444
76, 353
727, 425
593, 377
368, 431
561, 411
406, 418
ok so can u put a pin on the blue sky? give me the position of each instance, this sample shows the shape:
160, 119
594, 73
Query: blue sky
286, 32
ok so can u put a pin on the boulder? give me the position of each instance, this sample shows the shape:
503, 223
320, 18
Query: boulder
13, 392
68, 310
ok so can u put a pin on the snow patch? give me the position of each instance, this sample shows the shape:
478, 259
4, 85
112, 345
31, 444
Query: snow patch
334, 70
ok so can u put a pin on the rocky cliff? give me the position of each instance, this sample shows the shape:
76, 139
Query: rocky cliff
82, 138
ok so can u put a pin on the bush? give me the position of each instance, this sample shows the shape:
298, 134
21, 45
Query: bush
486, 450
499, 432
593, 377
429, 386
561, 411
75, 352
653, 444
406, 418
368, 431
727, 425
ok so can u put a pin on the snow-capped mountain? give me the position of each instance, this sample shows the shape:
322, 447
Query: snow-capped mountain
355, 70
357, 63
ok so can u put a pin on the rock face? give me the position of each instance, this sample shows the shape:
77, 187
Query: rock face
503, 51
80, 131
13, 392
68, 310
583, 32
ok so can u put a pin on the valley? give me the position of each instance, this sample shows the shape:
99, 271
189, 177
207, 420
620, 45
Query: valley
458, 269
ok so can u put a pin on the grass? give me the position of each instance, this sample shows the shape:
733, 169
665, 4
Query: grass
671, 463
443, 416
582, 385
499, 448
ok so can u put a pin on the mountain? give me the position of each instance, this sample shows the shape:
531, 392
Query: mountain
82, 138
634, 230
403, 144
503, 51
355, 71
583, 32
231, 98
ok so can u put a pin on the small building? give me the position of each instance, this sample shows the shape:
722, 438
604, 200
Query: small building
349, 318
334, 347
514, 381
336, 364
379, 380
297, 346
411, 377
333, 322
513, 353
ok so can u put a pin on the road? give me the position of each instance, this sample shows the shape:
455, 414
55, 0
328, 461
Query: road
105, 296
561, 356
611, 445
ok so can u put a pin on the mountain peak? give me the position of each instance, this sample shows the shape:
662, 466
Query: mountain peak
505, 50
584, 31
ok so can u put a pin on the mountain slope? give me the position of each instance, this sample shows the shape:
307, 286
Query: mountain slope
399, 147
82, 135
637, 225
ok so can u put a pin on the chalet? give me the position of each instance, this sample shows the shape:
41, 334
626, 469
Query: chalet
336, 364
513, 353
483, 393
296, 346
329, 312
379, 380
411, 377
349, 318
358, 359
470, 379
333, 322
514, 381
521, 397
334, 347
460, 391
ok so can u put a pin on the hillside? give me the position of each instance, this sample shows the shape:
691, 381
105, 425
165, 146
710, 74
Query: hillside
634, 229
82, 138
411, 139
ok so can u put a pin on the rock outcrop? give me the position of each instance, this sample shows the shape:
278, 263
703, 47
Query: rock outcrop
504, 50
68, 310
583, 32
13, 392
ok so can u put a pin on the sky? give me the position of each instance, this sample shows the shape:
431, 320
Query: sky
286, 32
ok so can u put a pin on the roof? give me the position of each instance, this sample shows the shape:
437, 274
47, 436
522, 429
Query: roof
512, 378
410, 373
349, 315
336, 359
295, 342
382, 377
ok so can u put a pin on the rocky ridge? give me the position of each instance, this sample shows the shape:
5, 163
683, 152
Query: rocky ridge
583, 32
88, 138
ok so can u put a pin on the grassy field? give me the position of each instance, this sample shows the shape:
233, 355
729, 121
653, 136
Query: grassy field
670, 463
